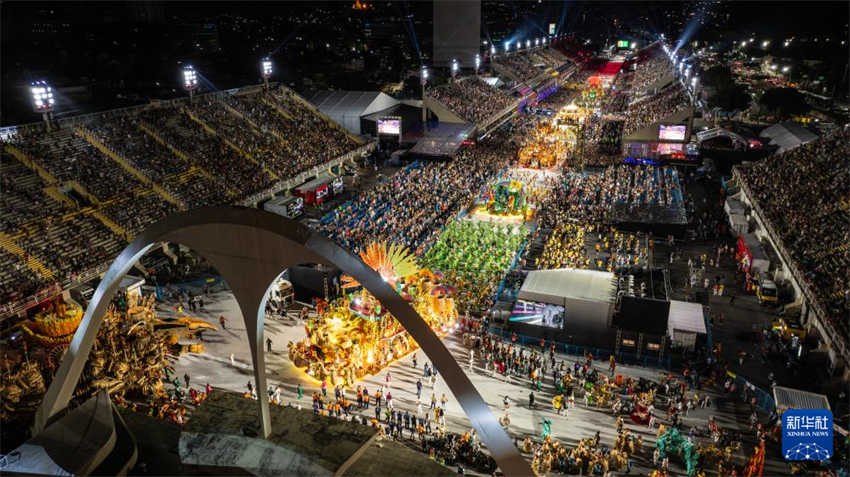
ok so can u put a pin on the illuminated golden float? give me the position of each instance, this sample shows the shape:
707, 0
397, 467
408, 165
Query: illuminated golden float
355, 336
129, 355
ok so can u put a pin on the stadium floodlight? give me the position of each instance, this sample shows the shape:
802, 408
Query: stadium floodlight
492, 51
507, 46
528, 43
42, 100
267, 67
477, 63
455, 68
267, 71
42, 97
424, 108
190, 80
537, 42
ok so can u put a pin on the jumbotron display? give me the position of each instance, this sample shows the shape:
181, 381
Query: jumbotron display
672, 133
389, 126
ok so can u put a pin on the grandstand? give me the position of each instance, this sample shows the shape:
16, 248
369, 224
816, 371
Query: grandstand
800, 202
74, 197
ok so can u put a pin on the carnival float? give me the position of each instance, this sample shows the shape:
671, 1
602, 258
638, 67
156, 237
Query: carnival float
354, 335
130, 352
507, 198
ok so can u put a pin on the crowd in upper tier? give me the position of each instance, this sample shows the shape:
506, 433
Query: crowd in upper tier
654, 108
652, 65
804, 194
472, 99
528, 64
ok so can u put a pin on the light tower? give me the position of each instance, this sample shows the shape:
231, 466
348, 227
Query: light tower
267, 71
455, 68
190, 81
527, 44
42, 101
477, 63
424, 109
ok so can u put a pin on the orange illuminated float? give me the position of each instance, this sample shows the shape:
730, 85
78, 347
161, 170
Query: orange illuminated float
356, 336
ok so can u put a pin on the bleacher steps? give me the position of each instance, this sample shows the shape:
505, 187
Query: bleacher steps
182, 155
57, 195
129, 167
33, 263
48, 177
82, 191
111, 225
253, 124
307, 104
236, 148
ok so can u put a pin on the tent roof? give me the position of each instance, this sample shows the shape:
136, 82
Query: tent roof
789, 398
351, 103
685, 316
788, 135
553, 286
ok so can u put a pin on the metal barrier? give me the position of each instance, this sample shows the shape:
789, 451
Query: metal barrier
599, 354
764, 401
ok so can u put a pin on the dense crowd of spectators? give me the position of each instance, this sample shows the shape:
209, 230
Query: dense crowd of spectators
655, 107
526, 65
652, 66
309, 138
472, 99
74, 246
67, 156
21, 198
410, 208
196, 166
210, 152
803, 193
136, 212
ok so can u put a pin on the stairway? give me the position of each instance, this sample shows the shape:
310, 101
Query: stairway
48, 177
236, 148
34, 264
111, 225
129, 168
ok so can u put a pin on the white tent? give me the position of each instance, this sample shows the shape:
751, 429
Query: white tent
558, 286
685, 321
347, 107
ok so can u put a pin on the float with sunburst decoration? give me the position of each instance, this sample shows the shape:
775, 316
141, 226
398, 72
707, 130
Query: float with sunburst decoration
355, 335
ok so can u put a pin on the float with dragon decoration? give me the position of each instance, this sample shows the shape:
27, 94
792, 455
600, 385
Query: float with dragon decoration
355, 335
129, 354
507, 198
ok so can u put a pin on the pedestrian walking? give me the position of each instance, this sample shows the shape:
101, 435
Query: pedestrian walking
186, 378
531, 400
268, 345
414, 360
300, 390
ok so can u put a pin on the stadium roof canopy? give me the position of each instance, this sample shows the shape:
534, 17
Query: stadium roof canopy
347, 107
788, 135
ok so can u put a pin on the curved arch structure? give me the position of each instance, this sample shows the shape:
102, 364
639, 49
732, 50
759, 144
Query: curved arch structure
250, 248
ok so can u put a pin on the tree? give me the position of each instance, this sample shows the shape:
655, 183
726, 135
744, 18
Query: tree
718, 77
730, 99
784, 102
